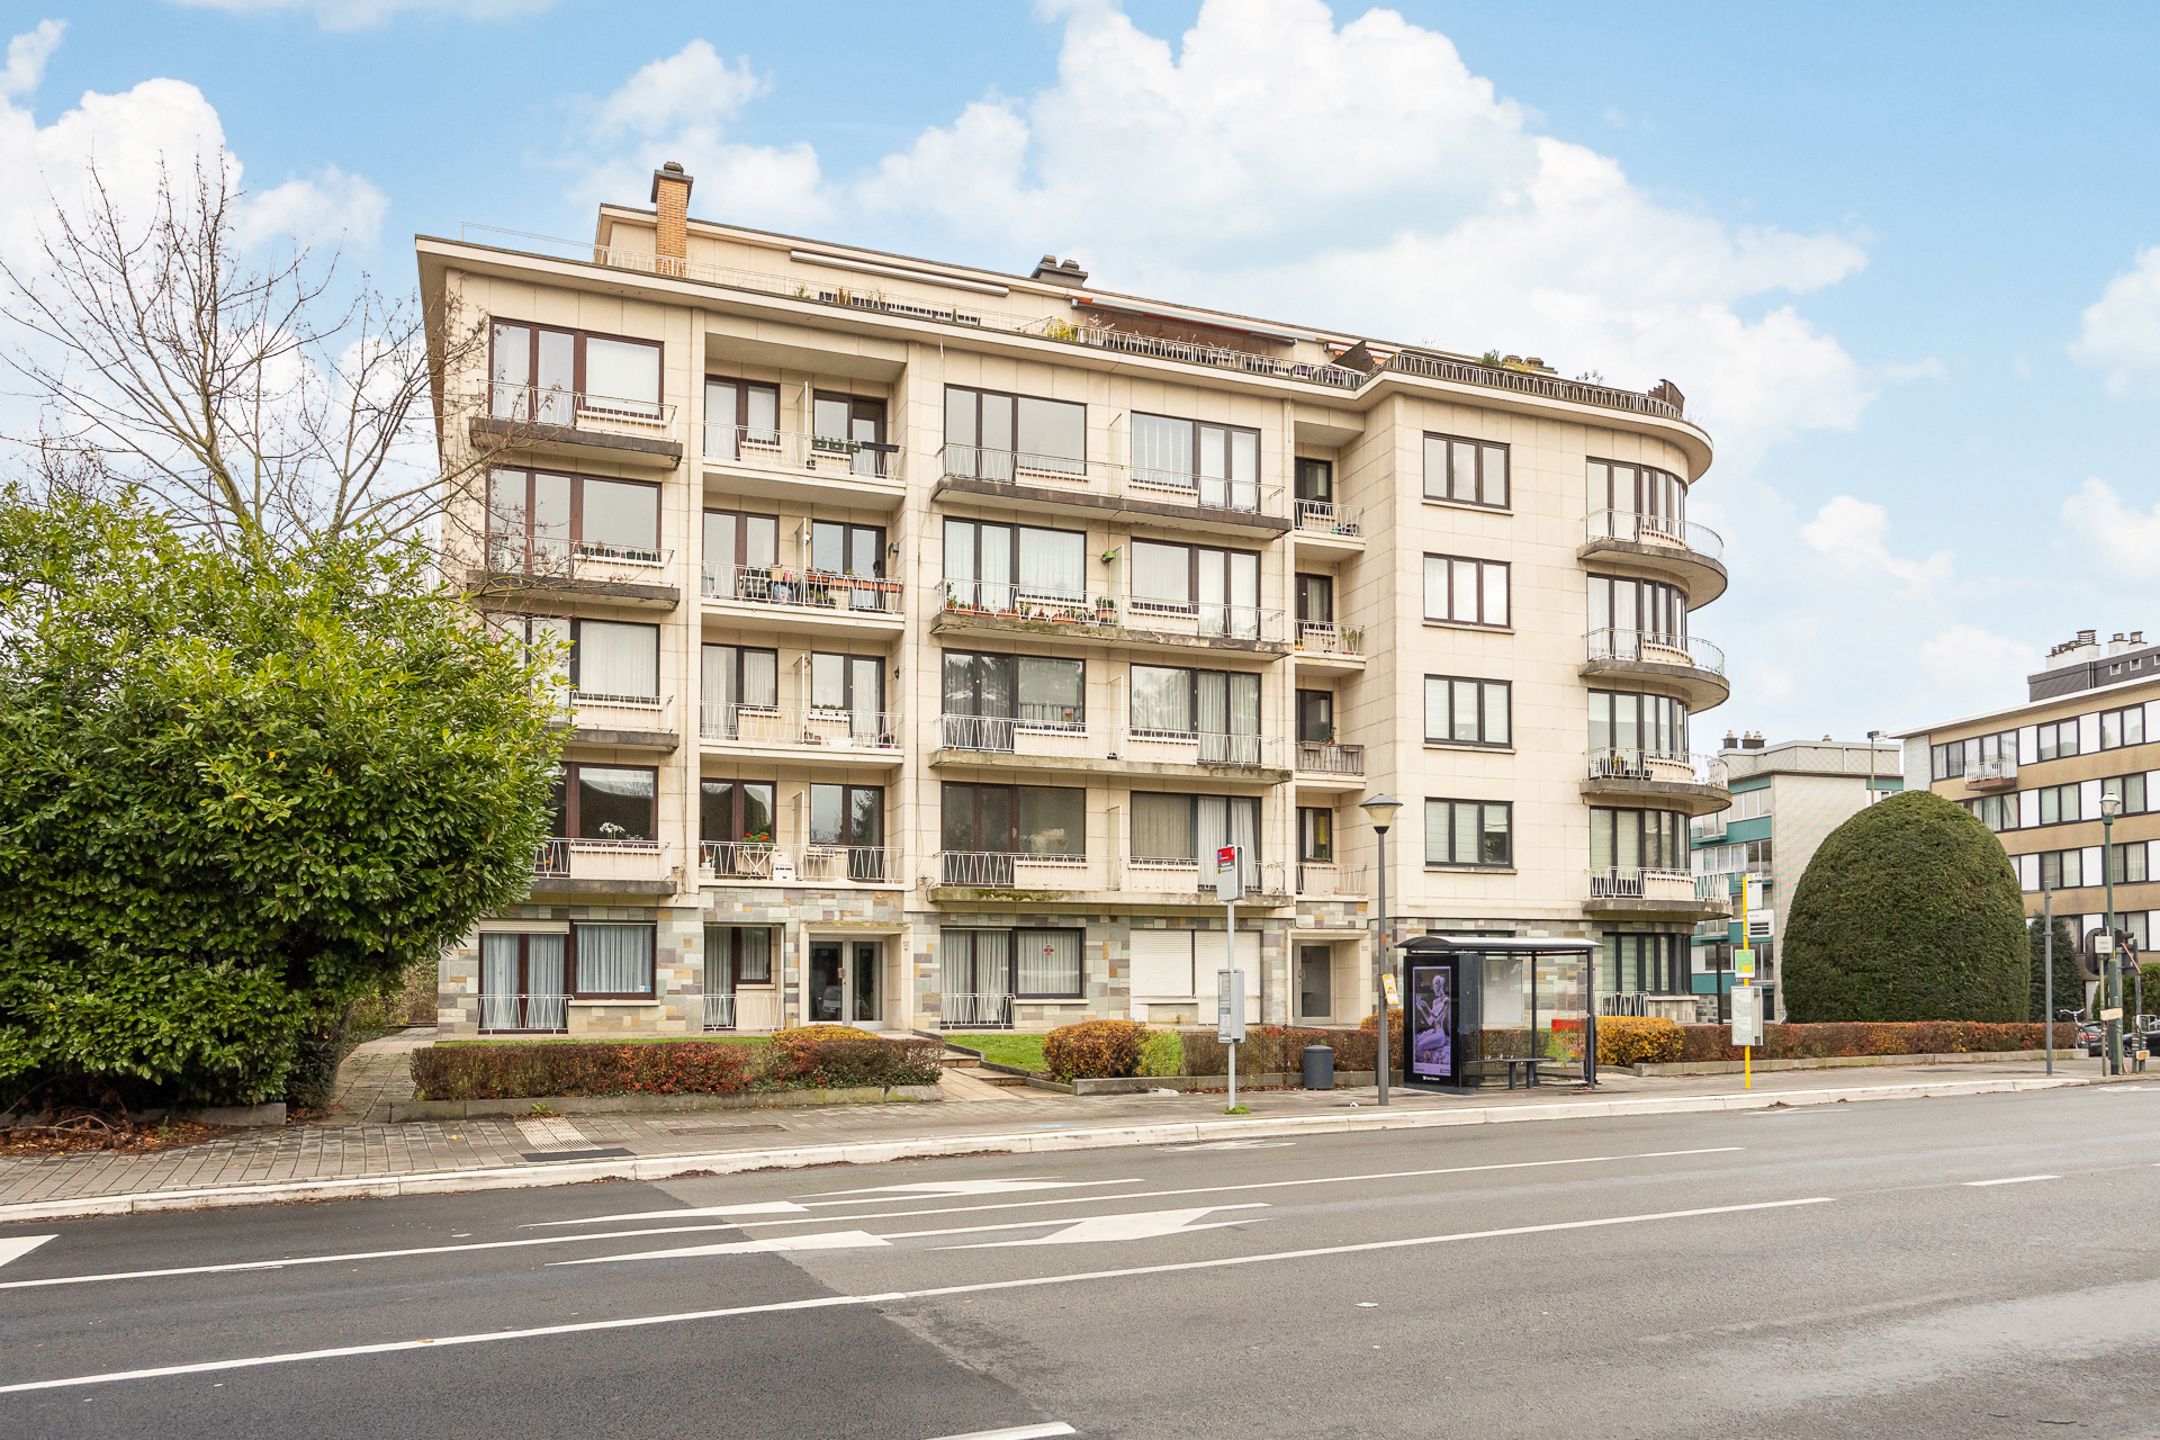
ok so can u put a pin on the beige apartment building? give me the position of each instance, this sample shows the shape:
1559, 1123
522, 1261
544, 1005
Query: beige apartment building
2036, 775
931, 628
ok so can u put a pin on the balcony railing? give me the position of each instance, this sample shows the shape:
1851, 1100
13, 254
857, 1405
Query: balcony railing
598, 859
583, 703
1204, 747
784, 452
556, 405
1007, 870
1207, 620
1206, 492
1638, 529
1677, 886
1325, 637
550, 557
1044, 730
735, 859
544, 1014
806, 589
849, 865
1328, 517
1158, 875
1499, 377
762, 861
1023, 467
1328, 757
978, 1010
719, 1012
1009, 600
1993, 772
797, 724
1673, 768
1656, 647
1324, 879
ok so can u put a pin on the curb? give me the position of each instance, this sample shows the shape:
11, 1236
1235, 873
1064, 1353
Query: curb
735, 1162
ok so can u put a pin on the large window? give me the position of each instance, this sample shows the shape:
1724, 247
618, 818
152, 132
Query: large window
1997, 812
2128, 863
1315, 480
2130, 789
1048, 964
1316, 834
2064, 870
851, 683
611, 803
1221, 588
2122, 727
1315, 599
735, 812
1645, 964
850, 425
612, 659
1221, 710
1626, 611
1218, 464
1627, 840
1315, 717
996, 567
2057, 741
990, 697
1015, 819
838, 548
541, 523
1188, 828
850, 818
612, 958
1463, 591
740, 415
523, 981
1469, 832
2057, 804
546, 375
1469, 472
1947, 762
1032, 964
991, 435
733, 680
1626, 722
737, 955
1640, 491
740, 552
1460, 711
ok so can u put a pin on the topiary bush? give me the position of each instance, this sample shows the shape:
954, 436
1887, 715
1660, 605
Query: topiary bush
1094, 1049
1162, 1053
1638, 1040
1909, 911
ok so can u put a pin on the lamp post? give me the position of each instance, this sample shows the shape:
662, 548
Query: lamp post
2110, 807
1869, 798
1380, 809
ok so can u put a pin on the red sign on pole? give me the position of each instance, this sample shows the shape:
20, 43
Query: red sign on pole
1225, 856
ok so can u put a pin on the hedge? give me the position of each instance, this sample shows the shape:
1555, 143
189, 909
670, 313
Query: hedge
1095, 1049
1639, 1040
1835, 1041
513, 1071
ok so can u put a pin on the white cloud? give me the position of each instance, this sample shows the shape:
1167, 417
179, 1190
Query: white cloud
2121, 330
1968, 661
2097, 524
1905, 372
692, 86
1853, 534
365, 14
26, 57
331, 207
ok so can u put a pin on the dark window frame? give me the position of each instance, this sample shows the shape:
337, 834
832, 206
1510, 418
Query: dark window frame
1192, 604
652, 964
524, 991
1478, 479
1300, 467
1505, 622
736, 810
1482, 742
1074, 721
977, 789
568, 810
1506, 807
1319, 839
2121, 716
535, 330
1079, 990
1015, 454
576, 536
737, 980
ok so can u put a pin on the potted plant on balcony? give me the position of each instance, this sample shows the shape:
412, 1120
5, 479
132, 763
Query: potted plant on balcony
1105, 610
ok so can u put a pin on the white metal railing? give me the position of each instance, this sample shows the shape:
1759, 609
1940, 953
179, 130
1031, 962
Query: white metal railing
1323, 879
543, 1013
798, 724
1329, 757
1656, 647
1639, 529
1206, 747
1209, 619
1329, 517
1022, 467
530, 404
1499, 377
553, 558
1006, 870
1173, 875
1049, 729
849, 865
608, 858
1991, 770
1324, 637
1207, 492
1671, 766
787, 452
602, 699
719, 1011
1652, 883
977, 1010
796, 587
735, 859
1017, 600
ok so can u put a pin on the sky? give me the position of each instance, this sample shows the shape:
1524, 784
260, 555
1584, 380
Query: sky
1903, 260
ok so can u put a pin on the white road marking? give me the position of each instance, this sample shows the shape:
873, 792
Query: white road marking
1228, 1145
893, 1297
823, 1240
2012, 1180
14, 1247
952, 1189
770, 1207
753, 1248
546, 1133
1018, 1432
1107, 1229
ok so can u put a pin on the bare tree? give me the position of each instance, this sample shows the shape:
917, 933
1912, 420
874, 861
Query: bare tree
266, 403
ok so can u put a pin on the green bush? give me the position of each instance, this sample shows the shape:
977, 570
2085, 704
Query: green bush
515, 1071
2069, 985
1638, 1040
1094, 1049
1837, 1041
1908, 912
1163, 1053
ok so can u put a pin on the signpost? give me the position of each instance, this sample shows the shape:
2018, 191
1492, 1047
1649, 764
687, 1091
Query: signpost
1230, 981
1747, 1016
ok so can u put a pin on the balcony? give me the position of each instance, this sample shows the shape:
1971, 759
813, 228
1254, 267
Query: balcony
524, 1014
1691, 666
635, 722
1327, 525
1001, 875
601, 867
1692, 784
1056, 740
802, 732
1994, 772
825, 600
1190, 882
1330, 765
1326, 880
548, 422
1324, 645
1656, 893
779, 464
632, 578
1063, 485
1000, 607
1693, 555
761, 862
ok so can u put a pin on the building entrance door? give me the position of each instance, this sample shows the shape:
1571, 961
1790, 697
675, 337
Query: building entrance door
846, 982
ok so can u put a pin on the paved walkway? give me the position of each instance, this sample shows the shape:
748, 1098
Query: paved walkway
351, 1144
377, 1073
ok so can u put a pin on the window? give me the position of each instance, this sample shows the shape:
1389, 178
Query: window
1015, 819
1190, 828
851, 425
1947, 762
2058, 804
737, 955
1220, 709
612, 959
1315, 600
2127, 863
1461, 711
854, 684
1629, 723
994, 436
1315, 480
735, 812
1218, 464
1628, 840
611, 803
1047, 964
1997, 812
547, 376
540, 523
1033, 964
842, 549
740, 552
1623, 613
2062, 869
2122, 727
1032, 692
1469, 832
1469, 472
1645, 964
1219, 587
2057, 741
614, 660
1634, 498
522, 981
2130, 789
734, 679
850, 817
1315, 717
1463, 591
994, 567
1316, 834
740, 415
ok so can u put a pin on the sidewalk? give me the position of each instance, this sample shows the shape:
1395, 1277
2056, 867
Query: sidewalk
351, 1153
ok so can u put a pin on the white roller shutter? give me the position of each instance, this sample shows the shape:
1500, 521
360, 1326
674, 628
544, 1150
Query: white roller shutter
2028, 744
2088, 732
1162, 965
2028, 809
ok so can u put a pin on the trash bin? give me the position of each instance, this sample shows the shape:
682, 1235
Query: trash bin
1318, 1063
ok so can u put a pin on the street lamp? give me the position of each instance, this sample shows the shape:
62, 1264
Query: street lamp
1380, 809
1869, 798
2110, 807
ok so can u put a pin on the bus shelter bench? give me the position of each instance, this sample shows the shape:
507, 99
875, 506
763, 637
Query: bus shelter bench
1525, 1066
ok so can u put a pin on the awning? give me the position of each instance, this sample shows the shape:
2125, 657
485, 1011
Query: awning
1495, 945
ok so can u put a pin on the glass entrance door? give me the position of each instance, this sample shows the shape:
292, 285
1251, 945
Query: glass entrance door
846, 982
828, 989
864, 983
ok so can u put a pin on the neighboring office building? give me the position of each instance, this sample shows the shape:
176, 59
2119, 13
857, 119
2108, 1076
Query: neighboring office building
932, 626
1785, 799
2035, 774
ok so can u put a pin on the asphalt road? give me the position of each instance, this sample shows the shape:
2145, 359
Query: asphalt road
1966, 1267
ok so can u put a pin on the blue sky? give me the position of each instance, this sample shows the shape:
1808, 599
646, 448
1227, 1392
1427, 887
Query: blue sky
1864, 239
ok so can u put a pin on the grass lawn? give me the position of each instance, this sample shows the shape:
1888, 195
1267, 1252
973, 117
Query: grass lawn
1022, 1052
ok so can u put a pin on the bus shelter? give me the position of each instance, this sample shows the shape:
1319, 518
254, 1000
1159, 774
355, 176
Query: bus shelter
1488, 1010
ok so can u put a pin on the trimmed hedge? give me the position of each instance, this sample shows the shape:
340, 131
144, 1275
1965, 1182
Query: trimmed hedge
514, 1071
1834, 1041
1095, 1049
1278, 1049
1639, 1040
1163, 1053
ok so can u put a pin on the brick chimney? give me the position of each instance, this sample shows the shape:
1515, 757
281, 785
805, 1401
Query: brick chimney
671, 202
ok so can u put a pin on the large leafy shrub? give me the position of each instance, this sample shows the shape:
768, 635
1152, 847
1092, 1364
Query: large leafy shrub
1638, 1040
2069, 985
1163, 1053
238, 792
1909, 911
1094, 1049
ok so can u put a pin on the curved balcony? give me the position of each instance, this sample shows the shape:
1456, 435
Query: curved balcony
1693, 555
1689, 666
1692, 784
1657, 894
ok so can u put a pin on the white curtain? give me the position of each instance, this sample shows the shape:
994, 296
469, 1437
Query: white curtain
1245, 834
1162, 827
1053, 563
1244, 719
618, 659
499, 982
1229, 820
1049, 962
622, 375
614, 959
1162, 450
1214, 716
